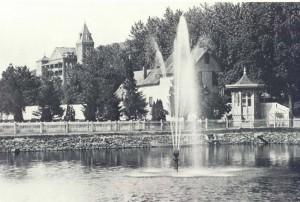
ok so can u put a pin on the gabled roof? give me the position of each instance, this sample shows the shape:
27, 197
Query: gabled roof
152, 78
245, 82
155, 74
197, 53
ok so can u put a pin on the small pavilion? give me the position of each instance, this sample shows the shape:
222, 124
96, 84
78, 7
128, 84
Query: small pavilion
245, 100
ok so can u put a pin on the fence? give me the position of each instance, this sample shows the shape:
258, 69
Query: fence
57, 128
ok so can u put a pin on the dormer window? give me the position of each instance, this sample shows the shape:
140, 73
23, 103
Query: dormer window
206, 58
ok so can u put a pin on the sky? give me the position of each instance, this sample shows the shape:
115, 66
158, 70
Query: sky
33, 28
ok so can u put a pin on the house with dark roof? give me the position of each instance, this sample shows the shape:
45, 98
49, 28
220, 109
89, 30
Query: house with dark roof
63, 59
155, 86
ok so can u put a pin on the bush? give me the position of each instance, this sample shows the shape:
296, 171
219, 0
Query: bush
158, 112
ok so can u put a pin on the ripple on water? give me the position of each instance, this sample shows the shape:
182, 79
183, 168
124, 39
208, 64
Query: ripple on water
187, 172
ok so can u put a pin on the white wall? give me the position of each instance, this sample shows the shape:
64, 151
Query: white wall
268, 110
29, 113
161, 91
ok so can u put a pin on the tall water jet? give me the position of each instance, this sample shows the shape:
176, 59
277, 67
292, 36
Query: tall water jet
159, 58
185, 87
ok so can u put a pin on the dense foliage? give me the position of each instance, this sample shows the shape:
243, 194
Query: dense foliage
49, 98
18, 88
263, 37
134, 102
157, 111
94, 84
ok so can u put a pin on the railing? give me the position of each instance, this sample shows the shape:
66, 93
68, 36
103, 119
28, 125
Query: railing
59, 128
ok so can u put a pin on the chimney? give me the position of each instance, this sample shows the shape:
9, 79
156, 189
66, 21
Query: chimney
144, 72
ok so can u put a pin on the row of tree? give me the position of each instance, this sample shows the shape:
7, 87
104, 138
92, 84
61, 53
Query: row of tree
96, 81
19, 88
263, 37
93, 84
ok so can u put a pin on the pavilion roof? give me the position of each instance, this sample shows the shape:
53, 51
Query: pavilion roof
245, 83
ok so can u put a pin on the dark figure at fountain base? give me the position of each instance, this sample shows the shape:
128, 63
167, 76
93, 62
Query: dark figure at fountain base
176, 158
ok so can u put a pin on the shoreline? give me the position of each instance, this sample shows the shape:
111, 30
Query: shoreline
146, 139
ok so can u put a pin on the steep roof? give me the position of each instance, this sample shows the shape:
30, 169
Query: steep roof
197, 52
64, 50
155, 74
152, 78
60, 52
245, 82
85, 36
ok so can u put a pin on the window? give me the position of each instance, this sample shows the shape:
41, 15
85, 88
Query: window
244, 99
214, 79
237, 99
249, 99
150, 101
206, 58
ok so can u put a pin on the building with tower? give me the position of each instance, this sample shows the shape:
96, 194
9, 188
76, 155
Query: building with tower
63, 59
84, 45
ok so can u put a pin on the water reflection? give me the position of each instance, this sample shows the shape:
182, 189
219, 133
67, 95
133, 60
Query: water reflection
208, 156
242, 173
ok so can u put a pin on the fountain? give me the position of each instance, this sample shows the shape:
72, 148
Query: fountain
159, 58
185, 88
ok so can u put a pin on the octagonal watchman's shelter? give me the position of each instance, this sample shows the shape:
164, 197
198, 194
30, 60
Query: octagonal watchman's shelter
245, 100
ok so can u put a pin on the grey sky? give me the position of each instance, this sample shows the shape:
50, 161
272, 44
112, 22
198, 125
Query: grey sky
33, 27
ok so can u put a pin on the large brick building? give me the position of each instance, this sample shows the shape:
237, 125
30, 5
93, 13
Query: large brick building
64, 58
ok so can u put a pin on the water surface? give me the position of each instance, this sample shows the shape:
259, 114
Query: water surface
225, 173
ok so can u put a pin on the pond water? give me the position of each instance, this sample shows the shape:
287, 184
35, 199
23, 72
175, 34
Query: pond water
224, 173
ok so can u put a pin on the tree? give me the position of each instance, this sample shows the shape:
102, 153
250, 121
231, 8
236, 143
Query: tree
264, 37
94, 82
158, 112
134, 102
70, 113
287, 50
18, 89
49, 98
162, 30
112, 108
212, 105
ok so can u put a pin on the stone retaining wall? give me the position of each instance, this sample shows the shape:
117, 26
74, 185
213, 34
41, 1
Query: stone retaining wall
130, 140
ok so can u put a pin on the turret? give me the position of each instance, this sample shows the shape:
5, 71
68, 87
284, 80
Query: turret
84, 45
